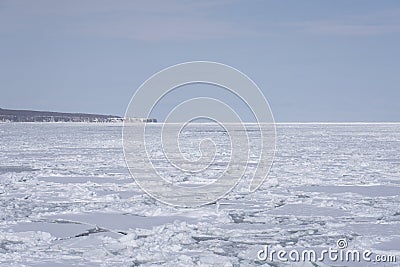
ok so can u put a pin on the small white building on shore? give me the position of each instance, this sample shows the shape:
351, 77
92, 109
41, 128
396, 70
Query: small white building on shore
128, 119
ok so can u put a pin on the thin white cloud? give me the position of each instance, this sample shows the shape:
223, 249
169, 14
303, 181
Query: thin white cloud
174, 20
377, 23
153, 20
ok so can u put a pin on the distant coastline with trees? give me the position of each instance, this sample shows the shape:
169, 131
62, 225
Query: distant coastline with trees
11, 115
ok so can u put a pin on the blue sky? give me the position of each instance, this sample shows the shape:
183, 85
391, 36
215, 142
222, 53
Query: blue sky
336, 60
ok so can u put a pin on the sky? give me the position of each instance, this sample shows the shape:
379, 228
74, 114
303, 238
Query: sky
315, 61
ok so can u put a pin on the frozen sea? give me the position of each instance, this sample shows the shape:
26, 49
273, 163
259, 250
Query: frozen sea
67, 199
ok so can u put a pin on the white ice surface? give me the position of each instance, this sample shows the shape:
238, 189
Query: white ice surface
66, 198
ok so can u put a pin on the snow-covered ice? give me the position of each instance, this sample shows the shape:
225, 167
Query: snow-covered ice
66, 198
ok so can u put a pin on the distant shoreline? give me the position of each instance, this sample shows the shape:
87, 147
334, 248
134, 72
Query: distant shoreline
13, 115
